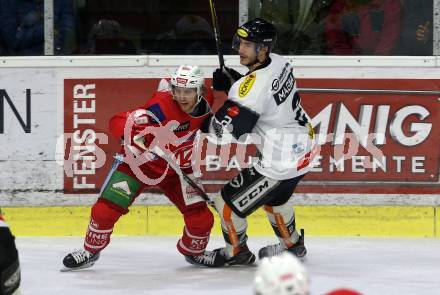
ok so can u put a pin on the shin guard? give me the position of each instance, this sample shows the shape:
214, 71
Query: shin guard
233, 227
282, 219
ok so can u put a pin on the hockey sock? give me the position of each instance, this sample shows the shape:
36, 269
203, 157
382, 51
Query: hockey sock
233, 227
102, 220
198, 224
282, 219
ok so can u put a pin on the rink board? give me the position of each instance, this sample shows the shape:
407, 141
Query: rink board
380, 221
46, 194
46, 99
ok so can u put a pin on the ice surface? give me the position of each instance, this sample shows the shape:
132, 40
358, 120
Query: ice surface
152, 265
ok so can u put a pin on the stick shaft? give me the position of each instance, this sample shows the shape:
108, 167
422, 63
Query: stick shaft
217, 34
182, 174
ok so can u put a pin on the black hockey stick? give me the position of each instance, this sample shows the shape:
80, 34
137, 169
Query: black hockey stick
218, 41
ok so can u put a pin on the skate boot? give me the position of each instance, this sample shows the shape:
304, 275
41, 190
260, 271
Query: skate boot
209, 259
79, 259
244, 257
298, 249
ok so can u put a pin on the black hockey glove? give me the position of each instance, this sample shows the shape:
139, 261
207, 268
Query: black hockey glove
222, 79
9, 264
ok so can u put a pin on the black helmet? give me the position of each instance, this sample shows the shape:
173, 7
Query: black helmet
257, 30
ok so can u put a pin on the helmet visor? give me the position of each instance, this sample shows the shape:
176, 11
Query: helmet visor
236, 42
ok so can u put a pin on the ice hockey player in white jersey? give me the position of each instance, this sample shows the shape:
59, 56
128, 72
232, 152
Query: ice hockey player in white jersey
265, 105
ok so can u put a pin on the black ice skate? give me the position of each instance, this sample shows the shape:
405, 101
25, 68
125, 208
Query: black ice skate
298, 249
244, 257
79, 259
209, 258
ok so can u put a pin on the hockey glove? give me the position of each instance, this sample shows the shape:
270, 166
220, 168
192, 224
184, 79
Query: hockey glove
222, 79
138, 120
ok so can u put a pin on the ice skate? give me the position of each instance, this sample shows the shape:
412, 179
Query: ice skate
209, 259
298, 249
79, 259
244, 257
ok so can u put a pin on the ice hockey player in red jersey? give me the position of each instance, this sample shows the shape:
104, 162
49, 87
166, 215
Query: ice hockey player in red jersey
169, 121
9, 263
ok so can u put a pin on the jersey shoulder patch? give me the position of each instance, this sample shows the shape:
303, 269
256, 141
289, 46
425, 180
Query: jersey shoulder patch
156, 112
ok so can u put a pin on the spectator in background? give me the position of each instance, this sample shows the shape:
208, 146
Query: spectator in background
363, 27
106, 38
2, 47
191, 34
300, 24
22, 26
416, 35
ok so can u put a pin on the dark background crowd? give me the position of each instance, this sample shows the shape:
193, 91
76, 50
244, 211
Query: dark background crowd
306, 27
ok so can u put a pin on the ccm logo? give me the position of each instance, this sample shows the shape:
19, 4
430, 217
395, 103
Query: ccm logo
253, 194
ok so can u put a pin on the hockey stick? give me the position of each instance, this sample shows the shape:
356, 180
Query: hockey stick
159, 152
169, 160
218, 41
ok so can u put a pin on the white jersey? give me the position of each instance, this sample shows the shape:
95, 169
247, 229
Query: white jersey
282, 133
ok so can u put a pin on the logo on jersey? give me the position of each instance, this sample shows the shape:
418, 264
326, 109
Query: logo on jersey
183, 156
311, 132
281, 95
123, 186
276, 82
242, 33
182, 127
275, 85
233, 111
298, 148
246, 85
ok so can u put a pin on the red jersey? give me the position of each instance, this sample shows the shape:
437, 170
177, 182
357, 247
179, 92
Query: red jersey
164, 110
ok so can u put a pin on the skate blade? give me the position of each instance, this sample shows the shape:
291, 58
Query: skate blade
67, 269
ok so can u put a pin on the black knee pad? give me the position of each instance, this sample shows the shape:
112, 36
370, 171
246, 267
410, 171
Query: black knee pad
283, 192
248, 191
